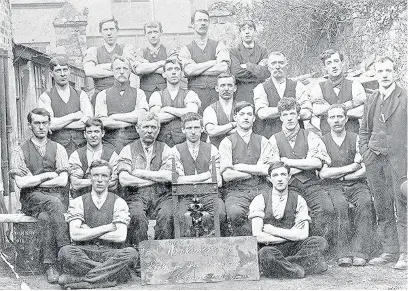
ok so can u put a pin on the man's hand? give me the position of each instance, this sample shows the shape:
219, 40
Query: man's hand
284, 160
21, 171
110, 227
269, 228
239, 167
244, 66
48, 176
78, 115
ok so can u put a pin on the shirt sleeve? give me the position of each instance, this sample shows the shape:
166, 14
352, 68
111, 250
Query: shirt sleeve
209, 116
215, 154
257, 207
155, 100
301, 212
274, 146
75, 210
192, 97
167, 157
225, 150
18, 162
121, 212
125, 160
358, 92
358, 158
260, 98
317, 149
62, 163
91, 55
141, 102
185, 56
222, 53
302, 97
316, 94
101, 109
85, 104
45, 102
268, 156
75, 165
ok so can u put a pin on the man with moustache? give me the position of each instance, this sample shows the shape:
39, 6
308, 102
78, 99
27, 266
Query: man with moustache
249, 62
120, 106
245, 159
172, 103
203, 60
337, 90
268, 94
40, 169
145, 172
383, 145
81, 159
97, 60
218, 117
69, 108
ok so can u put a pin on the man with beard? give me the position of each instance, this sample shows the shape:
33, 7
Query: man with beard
203, 60
268, 94
69, 108
172, 103
337, 90
145, 172
120, 106
249, 62
218, 117
97, 60
245, 159
81, 159
40, 169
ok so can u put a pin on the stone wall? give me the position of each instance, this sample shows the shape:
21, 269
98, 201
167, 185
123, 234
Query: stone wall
5, 25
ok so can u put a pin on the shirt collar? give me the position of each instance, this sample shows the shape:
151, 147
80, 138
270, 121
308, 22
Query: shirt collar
89, 148
201, 42
277, 83
386, 92
251, 46
244, 133
39, 144
191, 145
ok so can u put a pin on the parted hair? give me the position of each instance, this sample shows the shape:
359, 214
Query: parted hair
242, 104
94, 121
38, 111
201, 11
58, 61
106, 20
288, 103
333, 106
120, 58
148, 116
100, 163
226, 75
248, 22
277, 165
175, 61
328, 53
153, 24
191, 116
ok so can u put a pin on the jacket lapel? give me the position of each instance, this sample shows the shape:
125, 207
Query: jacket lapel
394, 102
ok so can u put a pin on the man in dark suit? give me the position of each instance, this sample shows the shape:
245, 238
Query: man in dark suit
383, 145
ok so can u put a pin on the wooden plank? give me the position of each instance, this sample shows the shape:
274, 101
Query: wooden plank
17, 218
199, 260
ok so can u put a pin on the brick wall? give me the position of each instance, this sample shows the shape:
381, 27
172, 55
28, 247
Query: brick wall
5, 25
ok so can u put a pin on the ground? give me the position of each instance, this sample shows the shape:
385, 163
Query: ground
368, 277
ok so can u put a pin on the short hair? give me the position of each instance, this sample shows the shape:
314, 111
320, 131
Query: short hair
277, 165
334, 106
58, 61
328, 53
201, 11
38, 111
94, 121
191, 116
241, 105
153, 24
120, 58
226, 75
248, 22
175, 61
383, 59
100, 163
148, 116
103, 21
288, 103
277, 53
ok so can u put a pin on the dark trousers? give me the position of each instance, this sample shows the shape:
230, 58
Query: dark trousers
385, 182
358, 194
277, 260
98, 263
49, 209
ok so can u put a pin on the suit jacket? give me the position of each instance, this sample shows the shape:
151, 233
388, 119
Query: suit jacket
396, 127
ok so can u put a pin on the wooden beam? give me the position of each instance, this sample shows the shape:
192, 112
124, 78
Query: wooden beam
17, 218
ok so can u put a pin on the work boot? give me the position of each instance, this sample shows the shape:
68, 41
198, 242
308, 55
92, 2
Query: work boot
359, 262
383, 259
52, 274
344, 262
402, 262
68, 279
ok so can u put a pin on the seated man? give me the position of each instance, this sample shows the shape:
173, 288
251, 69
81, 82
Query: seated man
40, 170
244, 161
344, 179
145, 172
280, 223
98, 226
196, 157
81, 159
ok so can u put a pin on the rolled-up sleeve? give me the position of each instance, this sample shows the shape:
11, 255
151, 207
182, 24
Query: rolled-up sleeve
302, 213
192, 97
225, 150
121, 212
167, 160
268, 153
75, 165
257, 207
45, 102
222, 53
75, 210
141, 101
85, 104
185, 56
317, 149
260, 98
18, 163
125, 160
302, 97
101, 109
358, 92
62, 163
91, 55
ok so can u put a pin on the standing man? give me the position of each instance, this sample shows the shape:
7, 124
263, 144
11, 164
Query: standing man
280, 223
196, 158
203, 60
98, 224
120, 106
149, 65
383, 145
145, 171
337, 90
69, 108
81, 159
97, 60
218, 117
344, 179
40, 169
304, 153
249, 62
245, 158
171, 103
268, 94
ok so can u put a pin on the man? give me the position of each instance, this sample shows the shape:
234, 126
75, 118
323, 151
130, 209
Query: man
97, 60
344, 179
304, 153
280, 222
69, 108
145, 171
245, 158
81, 159
172, 103
218, 117
40, 169
98, 224
204, 59
150, 61
268, 94
248, 62
383, 145
120, 106
196, 158
337, 90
